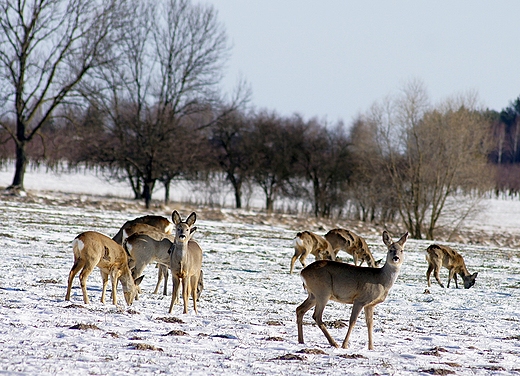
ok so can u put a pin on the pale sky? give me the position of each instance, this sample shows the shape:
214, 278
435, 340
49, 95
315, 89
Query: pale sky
334, 58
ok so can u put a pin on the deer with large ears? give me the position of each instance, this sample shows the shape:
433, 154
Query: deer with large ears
185, 260
363, 287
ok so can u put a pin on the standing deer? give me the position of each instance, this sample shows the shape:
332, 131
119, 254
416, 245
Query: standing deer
364, 288
351, 243
93, 249
185, 261
442, 255
306, 243
148, 224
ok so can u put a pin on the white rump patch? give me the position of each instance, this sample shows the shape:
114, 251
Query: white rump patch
169, 228
298, 241
78, 244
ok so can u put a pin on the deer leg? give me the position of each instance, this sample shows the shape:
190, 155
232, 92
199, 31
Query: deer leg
300, 312
437, 277
194, 280
356, 310
450, 276
165, 274
200, 284
114, 277
185, 293
428, 273
73, 271
104, 278
454, 276
175, 291
293, 259
369, 318
159, 279
83, 281
303, 257
318, 317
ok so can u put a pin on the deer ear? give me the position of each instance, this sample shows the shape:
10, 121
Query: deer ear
386, 238
176, 217
191, 219
193, 229
403, 239
139, 280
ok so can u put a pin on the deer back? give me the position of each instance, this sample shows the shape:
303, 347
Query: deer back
145, 248
157, 221
100, 249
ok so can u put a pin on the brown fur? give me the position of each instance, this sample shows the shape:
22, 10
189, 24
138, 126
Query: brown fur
351, 243
93, 249
154, 225
185, 261
162, 223
364, 288
442, 255
306, 243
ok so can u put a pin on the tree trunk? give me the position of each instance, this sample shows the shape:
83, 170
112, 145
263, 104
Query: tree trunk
20, 167
166, 184
147, 192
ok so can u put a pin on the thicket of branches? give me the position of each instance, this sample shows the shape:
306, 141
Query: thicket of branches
147, 110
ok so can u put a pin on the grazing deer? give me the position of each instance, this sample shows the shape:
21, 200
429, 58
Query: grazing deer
185, 261
351, 243
442, 255
306, 243
148, 224
364, 288
157, 234
93, 249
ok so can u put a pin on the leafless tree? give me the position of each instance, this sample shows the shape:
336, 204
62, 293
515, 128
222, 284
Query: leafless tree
432, 154
171, 60
272, 151
322, 166
46, 48
229, 140
368, 187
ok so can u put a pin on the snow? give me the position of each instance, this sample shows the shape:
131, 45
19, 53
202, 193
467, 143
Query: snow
246, 321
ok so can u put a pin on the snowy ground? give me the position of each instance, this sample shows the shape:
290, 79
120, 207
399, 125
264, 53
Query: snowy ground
246, 321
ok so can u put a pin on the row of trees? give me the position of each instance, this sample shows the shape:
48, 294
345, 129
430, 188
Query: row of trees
131, 87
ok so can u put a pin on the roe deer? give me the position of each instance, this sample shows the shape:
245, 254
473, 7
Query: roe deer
148, 223
307, 242
351, 243
185, 261
152, 246
93, 249
137, 260
442, 255
362, 287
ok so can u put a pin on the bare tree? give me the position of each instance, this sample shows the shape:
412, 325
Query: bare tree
170, 62
229, 140
368, 187
323, 162
46, 48
432, 154
271, 148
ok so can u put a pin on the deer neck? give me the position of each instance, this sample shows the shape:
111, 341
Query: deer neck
181, 248
389, 273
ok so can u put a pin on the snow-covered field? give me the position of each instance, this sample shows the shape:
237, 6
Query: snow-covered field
246, 321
